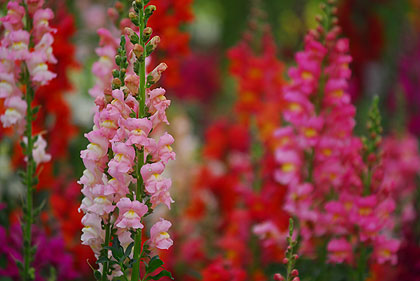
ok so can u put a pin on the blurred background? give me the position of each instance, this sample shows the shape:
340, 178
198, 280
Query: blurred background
201, 43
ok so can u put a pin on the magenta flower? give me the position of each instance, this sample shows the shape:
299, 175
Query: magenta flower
385, 249
339, 251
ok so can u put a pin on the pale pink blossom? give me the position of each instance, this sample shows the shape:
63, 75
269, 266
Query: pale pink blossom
38, 68
130, 213
15, 111
123, 160
137, 130
159, 236
39, 154
18, 42
7, 85
164, 149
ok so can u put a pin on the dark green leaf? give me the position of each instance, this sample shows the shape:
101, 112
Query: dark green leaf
160, 275
154, 264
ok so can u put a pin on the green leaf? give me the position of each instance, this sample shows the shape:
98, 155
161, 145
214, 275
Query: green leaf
31, 273
154, 264
38, 209
102, 260
163, 273
129, 249
97, 275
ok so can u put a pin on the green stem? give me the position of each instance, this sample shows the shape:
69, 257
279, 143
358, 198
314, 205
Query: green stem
30, 169
367, 181
361, 267
106, 243
28, 216
141, 97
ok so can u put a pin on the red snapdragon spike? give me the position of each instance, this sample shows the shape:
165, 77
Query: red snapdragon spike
168, 18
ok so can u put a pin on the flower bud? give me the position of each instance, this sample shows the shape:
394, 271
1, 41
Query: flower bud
154, 76
138, 50
116, 83
134, 38
133, 17
148, 11
278, 277
132, 83
296, 279
147, 32
295, 272
152, 45
119, 6
285, 260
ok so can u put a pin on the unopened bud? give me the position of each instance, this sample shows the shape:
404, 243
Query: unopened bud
138, 50
278, 277
112, 14
134, 38
295, 256
152, 45
108, 95
285, 260
147, 32
295, 272
132, 83
116, 83
156, 73
155, 41
334, 10
119, 6
115, 73
318, 18
148, 11
296, 279
133, 17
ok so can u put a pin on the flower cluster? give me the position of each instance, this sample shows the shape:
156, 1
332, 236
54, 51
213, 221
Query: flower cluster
51, 252
30, 49
125, 160
236, 182
339, 186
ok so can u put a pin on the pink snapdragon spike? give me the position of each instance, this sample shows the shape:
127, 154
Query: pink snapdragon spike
159, 236
334, 187
124, 162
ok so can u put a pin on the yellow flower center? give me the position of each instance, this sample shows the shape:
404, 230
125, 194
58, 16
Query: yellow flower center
130, 214
306, 75
337, 93
295, 107
110, 124
164, 234
288, 167
310, 132
118, 156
